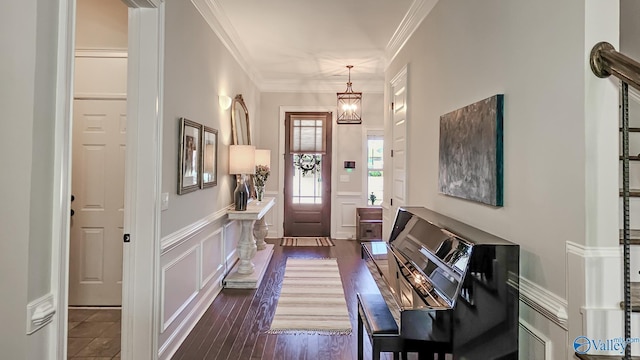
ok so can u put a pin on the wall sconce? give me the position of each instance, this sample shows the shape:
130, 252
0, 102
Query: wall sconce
224, 101
242, 161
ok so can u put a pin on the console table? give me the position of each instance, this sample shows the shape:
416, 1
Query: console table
250, 269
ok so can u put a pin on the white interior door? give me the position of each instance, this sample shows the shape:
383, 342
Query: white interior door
399, 148
95, 253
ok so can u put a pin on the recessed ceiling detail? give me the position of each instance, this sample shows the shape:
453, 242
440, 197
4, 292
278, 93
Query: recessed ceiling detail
292, 45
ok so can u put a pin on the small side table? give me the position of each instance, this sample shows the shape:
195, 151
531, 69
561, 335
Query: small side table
252, 265
369, 223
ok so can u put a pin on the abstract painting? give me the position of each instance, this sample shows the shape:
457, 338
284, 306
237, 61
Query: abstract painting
471, 160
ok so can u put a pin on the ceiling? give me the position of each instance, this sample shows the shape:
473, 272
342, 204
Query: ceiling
305, 45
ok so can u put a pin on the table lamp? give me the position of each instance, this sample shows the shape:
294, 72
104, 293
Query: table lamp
241, 162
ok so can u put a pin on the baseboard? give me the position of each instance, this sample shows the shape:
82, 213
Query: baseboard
345, 235
169, 348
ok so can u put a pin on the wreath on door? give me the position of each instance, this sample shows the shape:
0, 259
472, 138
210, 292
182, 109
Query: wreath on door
307, 162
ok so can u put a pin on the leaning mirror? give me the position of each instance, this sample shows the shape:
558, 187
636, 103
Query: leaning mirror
241, 132
240, 122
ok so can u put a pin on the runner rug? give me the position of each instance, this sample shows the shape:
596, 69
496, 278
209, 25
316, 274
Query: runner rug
306, 241
311, 299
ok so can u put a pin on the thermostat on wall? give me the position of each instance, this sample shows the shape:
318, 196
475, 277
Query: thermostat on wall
349, 164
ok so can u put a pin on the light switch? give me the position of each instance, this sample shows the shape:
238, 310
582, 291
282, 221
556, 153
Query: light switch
164, 202
344, 178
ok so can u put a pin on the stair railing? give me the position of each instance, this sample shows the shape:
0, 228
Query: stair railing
606, 61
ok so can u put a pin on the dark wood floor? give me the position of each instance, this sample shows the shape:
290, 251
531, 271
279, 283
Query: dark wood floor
234, 326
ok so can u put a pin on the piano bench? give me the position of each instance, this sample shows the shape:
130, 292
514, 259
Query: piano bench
375, 317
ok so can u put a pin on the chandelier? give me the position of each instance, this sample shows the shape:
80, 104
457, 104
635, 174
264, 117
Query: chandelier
349, 104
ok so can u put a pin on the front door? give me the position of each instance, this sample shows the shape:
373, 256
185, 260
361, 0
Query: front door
95, 249
307, 184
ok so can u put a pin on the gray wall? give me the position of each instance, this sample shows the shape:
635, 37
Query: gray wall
197, 69
28, 31
630, 28
466, 51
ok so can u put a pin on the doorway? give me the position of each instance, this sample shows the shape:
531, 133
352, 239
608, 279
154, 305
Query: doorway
98, 153
307, 174
142, 215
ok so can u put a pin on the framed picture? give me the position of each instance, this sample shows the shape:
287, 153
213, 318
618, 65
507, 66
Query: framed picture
190, 152
209, 164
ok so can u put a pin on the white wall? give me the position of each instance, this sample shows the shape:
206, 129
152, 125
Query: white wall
197, 69
27, 97
349, 146
535, 53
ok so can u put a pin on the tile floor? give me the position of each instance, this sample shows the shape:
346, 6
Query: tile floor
94, 334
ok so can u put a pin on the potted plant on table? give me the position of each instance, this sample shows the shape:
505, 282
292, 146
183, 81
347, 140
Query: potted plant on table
261, 176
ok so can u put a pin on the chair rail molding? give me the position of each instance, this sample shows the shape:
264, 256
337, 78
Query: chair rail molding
178, 237
356, 194
593, 251
545, 302
40, 313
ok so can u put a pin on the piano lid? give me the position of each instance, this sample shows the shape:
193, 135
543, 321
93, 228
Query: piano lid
432, 259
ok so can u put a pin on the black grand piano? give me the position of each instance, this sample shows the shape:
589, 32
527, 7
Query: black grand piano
451, 288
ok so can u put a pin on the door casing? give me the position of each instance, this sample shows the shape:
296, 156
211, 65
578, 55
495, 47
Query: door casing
279, 225
142, 181
309, 211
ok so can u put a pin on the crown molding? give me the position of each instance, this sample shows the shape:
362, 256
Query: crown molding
321, 86
215, 17
222, 27
417, 12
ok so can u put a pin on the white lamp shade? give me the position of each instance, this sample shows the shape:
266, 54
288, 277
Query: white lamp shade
242, 159
263, 157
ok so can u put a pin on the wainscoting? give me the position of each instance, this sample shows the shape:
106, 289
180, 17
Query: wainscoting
533, 344
194, 261
345, 214
543, 323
